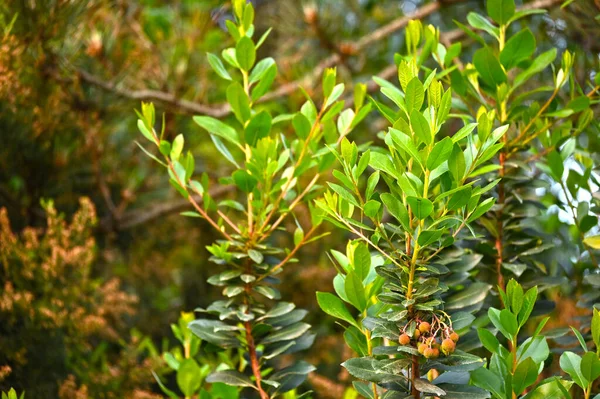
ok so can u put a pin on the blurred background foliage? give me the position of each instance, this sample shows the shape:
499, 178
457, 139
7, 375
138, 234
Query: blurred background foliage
71, 72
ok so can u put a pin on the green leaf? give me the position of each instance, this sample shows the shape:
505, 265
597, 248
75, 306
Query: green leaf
555, 162
481, 209
523, 13
489, 340
344, 194
217, 66
440, 153
287, 333
415, 95
425, 386
218, 128
462, 391
223, 150
258, 128
551, 388
189, 377
238, 100
405, 143
464, 132
528, 304
518, 48
427, 237
460, 198
579, 338
230, 377
592, 241
462, 320
369, 369
144, 130
579, 104
486, 379
261, 69
525, 375
470, 296
355, 291
265, 82
590, 366
501, 10
162, 386
397, 209
596, 327
362, 261
338, 90
538, 65
333, 306
421, 207
489, 67
245, 53
301, 125
535, 347
421, 127
504, 321
479, 22
571, 364
356, 340
371, 208
176, 148
245, 181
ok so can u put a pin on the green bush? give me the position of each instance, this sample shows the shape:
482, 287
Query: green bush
440, 215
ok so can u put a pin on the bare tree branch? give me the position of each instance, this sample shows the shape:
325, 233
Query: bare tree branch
221, 110
186, 106
136, 217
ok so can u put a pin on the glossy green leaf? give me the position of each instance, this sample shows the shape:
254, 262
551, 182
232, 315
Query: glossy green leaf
415, 95
489, 67
230, 377
518, 48
217, 66
440, 153
501, 10
258, 128
245, 181
355, 291
590, 366
421, 127
333, 306
525, 375
218, 128
421, 207
397, 209
189, 377
239, 102
245, 53
571, 364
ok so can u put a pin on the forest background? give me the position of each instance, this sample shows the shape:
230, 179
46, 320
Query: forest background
95, 322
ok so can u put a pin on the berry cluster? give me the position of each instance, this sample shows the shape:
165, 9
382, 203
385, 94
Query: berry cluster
425, 338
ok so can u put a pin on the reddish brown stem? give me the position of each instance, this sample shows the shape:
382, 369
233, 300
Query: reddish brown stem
254, 361
414, 375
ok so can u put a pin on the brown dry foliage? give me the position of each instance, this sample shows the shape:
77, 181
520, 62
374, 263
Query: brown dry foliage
50, 296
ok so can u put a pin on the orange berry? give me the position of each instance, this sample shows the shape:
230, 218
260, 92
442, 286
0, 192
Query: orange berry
429, 353
454, 337
416, 334
404, 339
422, 348
448, 346
436, 352
424, 327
